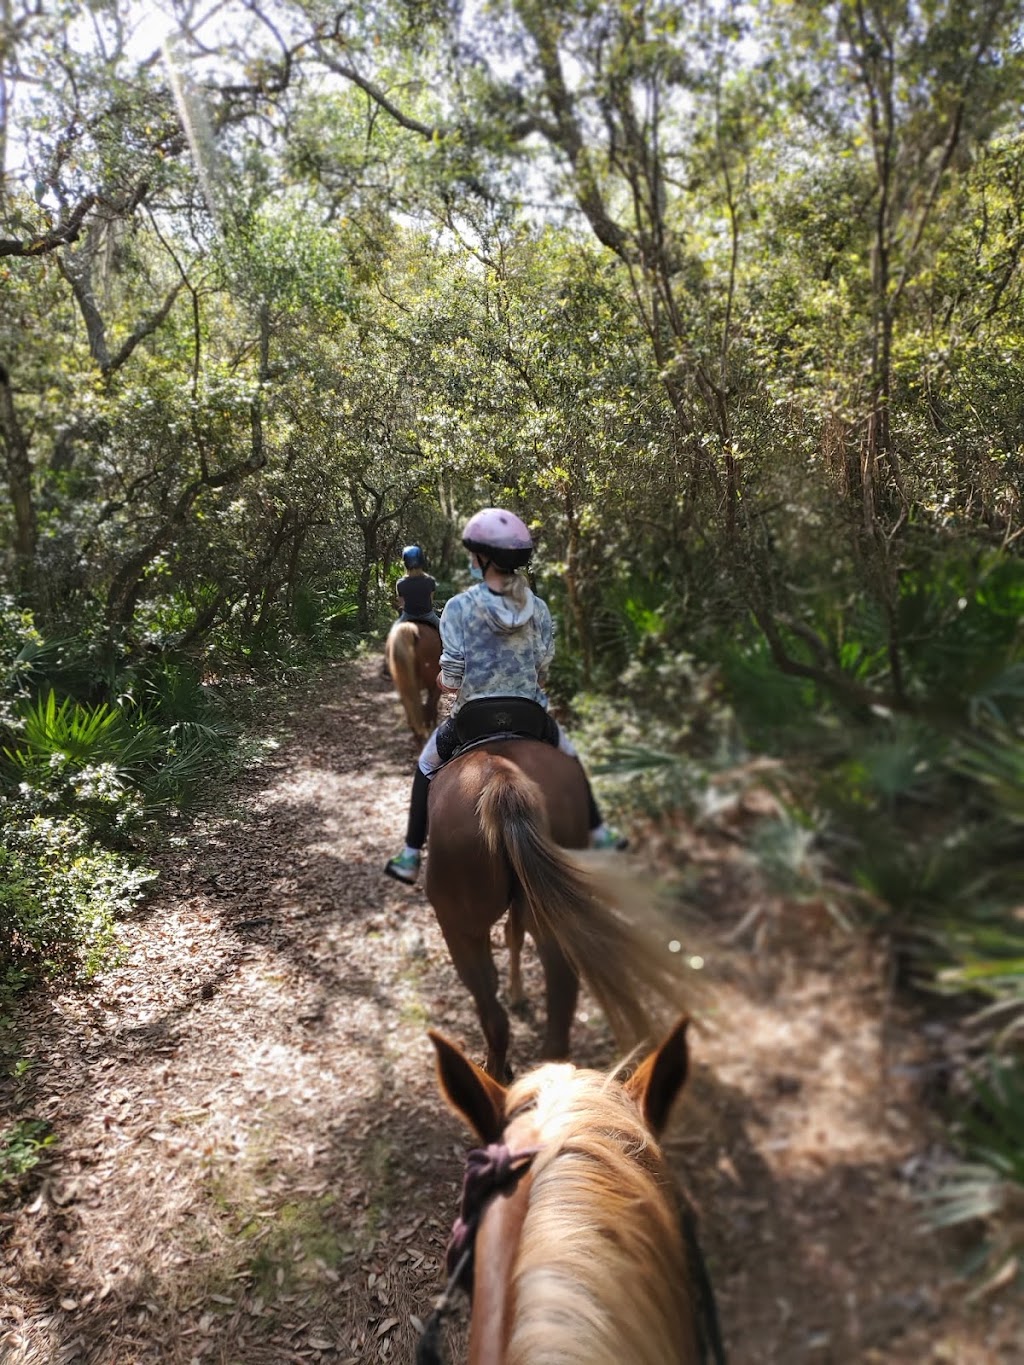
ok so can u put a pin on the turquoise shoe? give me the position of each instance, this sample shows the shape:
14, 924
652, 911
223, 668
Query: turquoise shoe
404, 868
607, 838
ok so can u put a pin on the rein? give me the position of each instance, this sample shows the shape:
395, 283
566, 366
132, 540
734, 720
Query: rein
708, 1327
490, 1171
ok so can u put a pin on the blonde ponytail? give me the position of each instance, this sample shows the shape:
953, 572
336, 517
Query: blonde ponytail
518, 590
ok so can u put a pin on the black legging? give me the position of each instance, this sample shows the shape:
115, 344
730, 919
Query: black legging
416, 828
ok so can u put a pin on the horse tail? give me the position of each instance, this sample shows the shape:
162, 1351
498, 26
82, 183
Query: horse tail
620, 963
404, 666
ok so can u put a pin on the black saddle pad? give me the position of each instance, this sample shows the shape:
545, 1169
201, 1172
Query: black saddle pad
488, 717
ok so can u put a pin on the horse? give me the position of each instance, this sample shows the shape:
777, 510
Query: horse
573, 1241
413, 653
503, 818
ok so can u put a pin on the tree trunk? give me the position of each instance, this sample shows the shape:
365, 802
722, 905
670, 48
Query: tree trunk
572, 591
19, 483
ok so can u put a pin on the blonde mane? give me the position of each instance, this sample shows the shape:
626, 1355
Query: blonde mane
600, 1276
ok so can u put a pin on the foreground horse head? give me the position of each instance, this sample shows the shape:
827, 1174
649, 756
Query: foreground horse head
573, 1242
501, 818
413, 653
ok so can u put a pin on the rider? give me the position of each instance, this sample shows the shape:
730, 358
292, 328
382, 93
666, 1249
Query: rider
414, 594
496, 641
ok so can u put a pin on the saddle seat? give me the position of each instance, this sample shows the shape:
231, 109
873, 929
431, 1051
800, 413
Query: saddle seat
484, 719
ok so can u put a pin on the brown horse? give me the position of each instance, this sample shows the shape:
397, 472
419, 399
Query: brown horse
573, 1242
413, 653
501, 818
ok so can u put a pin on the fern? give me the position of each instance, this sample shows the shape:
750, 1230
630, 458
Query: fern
985, 1185
68, 732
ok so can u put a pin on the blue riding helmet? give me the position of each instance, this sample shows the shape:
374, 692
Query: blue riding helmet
412, 557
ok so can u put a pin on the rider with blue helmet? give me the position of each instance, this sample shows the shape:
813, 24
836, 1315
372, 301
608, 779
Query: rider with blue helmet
414, 594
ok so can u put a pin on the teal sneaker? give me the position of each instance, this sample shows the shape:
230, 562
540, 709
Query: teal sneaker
404, 868
607, 838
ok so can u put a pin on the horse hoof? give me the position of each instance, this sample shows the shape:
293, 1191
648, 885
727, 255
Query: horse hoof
522, 1009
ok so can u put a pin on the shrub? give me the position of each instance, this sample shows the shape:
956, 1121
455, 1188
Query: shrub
60, 894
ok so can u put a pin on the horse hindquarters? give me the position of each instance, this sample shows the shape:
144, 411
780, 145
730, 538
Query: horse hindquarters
495, 816
491, 852
572, 913
514, 815
403, 664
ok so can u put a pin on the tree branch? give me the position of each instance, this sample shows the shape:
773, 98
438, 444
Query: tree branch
45, 242
378, 96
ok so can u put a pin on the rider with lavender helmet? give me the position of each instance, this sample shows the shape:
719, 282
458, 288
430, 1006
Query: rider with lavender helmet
496, 641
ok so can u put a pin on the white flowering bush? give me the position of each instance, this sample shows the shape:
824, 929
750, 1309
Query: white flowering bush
20, 644
60, 896
97, 793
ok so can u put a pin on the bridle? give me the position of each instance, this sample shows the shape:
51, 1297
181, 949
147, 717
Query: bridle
495, 1170
490, 1171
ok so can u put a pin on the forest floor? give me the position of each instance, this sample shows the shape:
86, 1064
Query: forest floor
252, 1163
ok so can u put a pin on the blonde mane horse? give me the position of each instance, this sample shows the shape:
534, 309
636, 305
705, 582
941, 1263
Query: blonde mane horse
588, 1258
413, 653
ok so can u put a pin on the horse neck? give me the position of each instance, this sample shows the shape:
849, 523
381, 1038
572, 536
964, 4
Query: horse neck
494, 1256
585, 1259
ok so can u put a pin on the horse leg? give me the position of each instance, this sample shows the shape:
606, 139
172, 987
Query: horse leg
474, 963
561, 991
430, 709
514, 935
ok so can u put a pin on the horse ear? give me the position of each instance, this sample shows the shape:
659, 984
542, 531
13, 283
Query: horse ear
657, 1081
469, 1090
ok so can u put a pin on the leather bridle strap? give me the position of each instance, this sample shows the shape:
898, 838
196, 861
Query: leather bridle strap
490, 1171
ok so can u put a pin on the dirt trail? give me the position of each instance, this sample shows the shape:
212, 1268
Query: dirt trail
253, 1167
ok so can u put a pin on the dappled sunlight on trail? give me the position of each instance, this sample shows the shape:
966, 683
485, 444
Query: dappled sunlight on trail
252, 1165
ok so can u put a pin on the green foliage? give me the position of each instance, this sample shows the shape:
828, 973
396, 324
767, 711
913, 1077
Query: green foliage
772, 707
116, 765
191, 762
21, 1148
69, 733
60, 894
959, 620
984, 1185
167, 691
657, 740
629, 619
274, 344
25, 656
992, 1123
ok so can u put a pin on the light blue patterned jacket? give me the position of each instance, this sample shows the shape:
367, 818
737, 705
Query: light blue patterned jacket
493, 648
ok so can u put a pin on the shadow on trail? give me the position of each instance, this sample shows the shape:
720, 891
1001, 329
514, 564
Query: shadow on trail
323, 1235
364, 1251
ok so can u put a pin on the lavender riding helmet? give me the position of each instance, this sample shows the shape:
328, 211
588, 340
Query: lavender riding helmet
499, 537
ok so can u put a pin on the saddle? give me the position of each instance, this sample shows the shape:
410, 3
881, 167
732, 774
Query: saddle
487, 718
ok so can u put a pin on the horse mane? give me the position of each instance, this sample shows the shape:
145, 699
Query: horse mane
601, 1274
